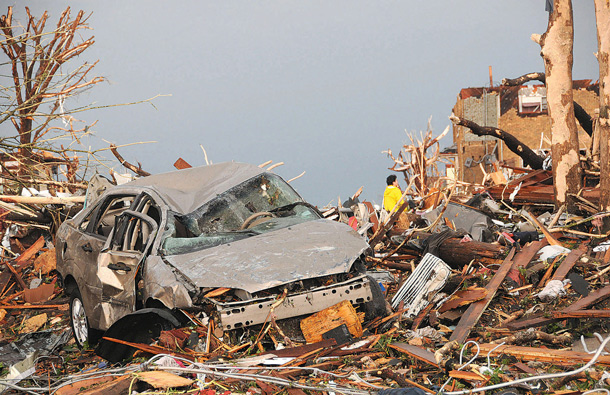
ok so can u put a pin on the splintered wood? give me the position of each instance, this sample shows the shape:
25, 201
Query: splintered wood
314, 326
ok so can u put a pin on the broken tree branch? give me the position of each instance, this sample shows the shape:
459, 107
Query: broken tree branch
138, 170
530, 158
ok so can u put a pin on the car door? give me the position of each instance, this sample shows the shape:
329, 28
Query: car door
119, 265
86, 240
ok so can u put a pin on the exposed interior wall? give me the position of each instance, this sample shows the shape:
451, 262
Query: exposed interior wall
498, 107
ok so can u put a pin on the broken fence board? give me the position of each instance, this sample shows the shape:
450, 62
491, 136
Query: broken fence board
475, 310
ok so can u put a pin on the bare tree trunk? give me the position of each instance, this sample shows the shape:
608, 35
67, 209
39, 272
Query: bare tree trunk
557, 44
602, 16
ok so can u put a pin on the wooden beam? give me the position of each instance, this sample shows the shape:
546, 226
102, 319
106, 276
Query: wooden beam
475, 310
523, 258
592, 298
568, 263
562, 357
582, 314
28, 254
42, 199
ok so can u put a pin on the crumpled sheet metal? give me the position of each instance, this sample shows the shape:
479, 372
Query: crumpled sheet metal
472, 221
307, 250
43, 342
161, 283
196, 185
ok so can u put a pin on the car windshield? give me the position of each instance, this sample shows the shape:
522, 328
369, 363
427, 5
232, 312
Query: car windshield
262, 204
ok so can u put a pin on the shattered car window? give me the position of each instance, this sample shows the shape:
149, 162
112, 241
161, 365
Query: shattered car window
261, 204
103, 217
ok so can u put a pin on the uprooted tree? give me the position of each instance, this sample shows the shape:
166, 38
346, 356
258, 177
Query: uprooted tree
40, 82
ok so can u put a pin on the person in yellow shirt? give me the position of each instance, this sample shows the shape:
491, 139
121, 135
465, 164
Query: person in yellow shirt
392, 193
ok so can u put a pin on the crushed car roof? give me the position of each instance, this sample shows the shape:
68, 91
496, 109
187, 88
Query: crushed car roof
187, 189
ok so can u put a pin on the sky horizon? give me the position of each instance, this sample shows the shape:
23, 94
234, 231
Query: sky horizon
324, 87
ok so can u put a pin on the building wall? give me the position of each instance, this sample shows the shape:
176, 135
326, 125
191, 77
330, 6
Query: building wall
483, 110
530, 129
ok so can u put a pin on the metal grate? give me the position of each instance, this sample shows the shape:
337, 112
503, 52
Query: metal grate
427, 279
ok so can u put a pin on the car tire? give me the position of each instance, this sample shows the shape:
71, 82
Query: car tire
83, 334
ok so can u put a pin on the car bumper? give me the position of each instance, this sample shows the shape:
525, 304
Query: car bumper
252, 312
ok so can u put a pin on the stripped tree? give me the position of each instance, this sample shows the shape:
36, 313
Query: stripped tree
40, 82
602, 15
556, 50
415, 161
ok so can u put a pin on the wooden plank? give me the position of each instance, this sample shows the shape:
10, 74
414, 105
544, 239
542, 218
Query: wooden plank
523, 258
524, 368
468, 376
463, 297
163, 379
582, 314
16, 275
314, 326
118, 386
592, 298
475, 310
552, 240
568, 263
562, 357
418, 353
42, 199
150, 349
29, 253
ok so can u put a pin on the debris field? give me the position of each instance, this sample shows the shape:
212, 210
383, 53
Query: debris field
482, 293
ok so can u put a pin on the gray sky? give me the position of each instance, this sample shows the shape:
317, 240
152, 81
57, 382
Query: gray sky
323, 86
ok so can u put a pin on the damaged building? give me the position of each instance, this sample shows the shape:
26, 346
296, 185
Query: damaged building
519, 110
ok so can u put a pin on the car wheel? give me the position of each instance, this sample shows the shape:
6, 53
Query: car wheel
79, 322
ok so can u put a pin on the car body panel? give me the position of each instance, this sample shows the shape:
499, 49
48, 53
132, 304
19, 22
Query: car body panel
252, 312
310, 249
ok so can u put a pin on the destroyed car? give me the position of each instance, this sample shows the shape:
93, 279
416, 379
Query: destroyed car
228, 241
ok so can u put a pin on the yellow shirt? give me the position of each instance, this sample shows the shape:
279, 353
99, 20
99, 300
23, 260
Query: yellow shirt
391, 196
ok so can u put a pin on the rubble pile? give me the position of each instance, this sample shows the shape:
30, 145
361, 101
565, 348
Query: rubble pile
483, 293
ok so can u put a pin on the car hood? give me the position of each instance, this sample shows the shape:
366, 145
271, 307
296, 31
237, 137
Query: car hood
307, 250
